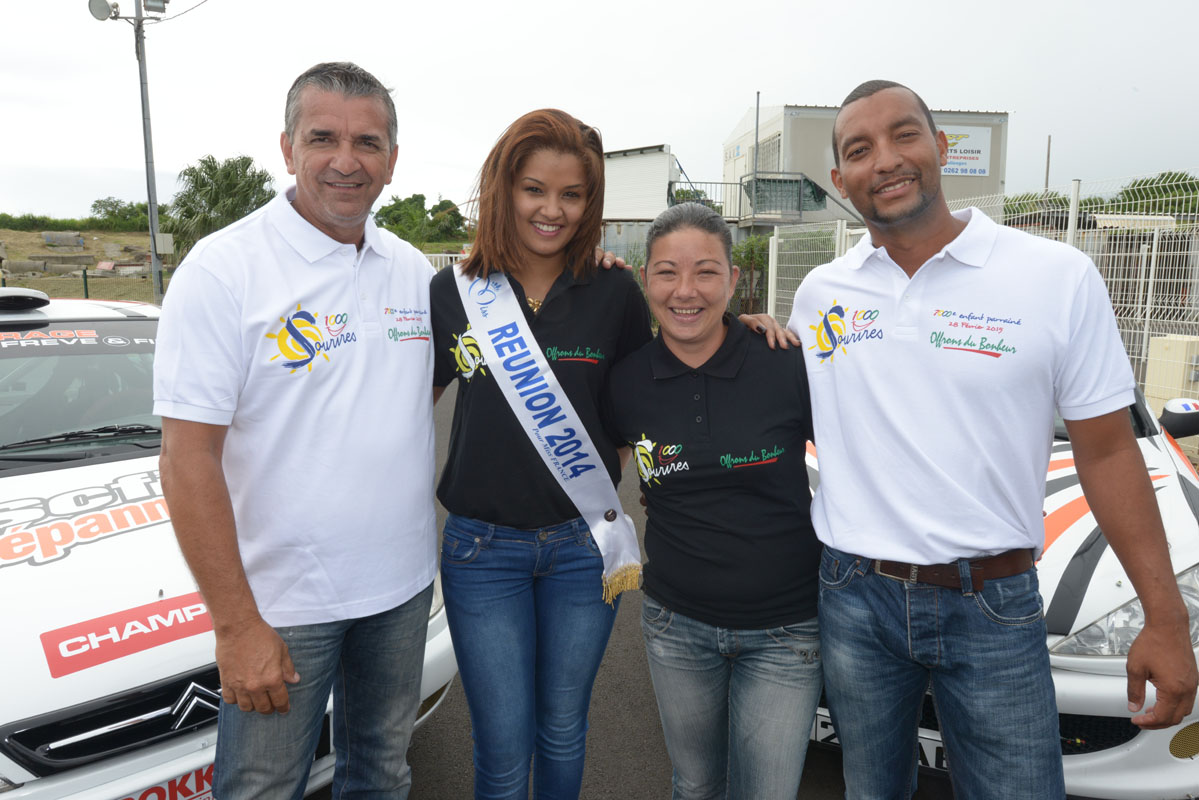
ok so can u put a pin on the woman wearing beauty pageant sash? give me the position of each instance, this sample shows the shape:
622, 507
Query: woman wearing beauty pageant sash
536, 548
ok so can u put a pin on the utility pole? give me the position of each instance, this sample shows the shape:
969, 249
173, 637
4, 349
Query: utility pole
103, 10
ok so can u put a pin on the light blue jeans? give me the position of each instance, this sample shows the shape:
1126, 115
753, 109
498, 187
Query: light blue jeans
885, 641
373, 667
530, 626
737, 705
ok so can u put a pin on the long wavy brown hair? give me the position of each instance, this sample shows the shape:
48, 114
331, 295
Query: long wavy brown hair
496, 246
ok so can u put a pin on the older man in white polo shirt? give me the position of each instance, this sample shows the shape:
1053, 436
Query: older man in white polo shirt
937, 350
293, 376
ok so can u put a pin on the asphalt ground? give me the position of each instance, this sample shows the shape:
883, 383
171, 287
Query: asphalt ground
626, 755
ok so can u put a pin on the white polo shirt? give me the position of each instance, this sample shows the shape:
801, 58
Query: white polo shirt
318, 358
933, 397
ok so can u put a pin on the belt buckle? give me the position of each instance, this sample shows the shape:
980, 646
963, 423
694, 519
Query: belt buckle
913, 572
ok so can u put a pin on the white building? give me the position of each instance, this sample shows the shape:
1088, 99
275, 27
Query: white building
796, 157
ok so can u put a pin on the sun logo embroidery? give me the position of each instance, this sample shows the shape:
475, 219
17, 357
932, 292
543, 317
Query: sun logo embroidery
645, 459
467, 356
830, 332
299, 340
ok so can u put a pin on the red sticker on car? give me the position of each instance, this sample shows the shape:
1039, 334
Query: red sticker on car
195, 785
97, 641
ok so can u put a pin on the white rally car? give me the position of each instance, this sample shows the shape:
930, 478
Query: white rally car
110, 689
1092, 615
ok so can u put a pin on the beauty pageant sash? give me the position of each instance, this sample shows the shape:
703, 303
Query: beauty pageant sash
551, 423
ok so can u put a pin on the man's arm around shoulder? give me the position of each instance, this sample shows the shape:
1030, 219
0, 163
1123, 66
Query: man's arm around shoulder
253, 660
1116, 484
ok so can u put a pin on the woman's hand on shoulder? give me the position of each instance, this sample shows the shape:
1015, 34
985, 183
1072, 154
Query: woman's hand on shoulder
766, 325
607, 259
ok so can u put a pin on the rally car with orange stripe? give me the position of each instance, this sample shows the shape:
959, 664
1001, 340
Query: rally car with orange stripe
1092, 616
110, 688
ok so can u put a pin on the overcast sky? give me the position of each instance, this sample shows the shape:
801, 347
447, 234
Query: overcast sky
1112, 81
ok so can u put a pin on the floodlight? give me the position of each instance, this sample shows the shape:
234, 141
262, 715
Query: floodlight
102, 9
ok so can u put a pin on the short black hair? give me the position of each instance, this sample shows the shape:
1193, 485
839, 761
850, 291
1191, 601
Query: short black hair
864, 90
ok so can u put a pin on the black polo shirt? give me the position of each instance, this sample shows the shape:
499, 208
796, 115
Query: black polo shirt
720, 451
493, 473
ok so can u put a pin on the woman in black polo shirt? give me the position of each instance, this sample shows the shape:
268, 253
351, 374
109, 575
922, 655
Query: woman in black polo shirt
720, 424
520, 568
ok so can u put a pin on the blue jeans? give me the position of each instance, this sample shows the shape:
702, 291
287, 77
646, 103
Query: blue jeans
885, 641
529, 625
373, 667
736, 705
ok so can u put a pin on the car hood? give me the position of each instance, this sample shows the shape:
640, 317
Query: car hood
1081, 578
97, 598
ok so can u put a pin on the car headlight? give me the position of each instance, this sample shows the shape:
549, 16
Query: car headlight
1113, 635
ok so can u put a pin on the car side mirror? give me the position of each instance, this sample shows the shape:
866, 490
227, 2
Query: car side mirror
1180, 417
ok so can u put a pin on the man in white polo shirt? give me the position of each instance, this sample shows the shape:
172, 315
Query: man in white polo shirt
293, 375
937, 350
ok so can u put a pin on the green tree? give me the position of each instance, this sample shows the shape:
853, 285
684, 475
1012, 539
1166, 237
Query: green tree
448, 222
693, 195
411, 221
111, 213
753, 257
215, 194
1033, 202
1175, 193
407, 219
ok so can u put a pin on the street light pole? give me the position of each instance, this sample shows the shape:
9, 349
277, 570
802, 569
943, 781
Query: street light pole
103, 10
139, 36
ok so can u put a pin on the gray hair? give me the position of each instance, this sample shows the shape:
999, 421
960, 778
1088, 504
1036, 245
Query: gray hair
689, 215
348, 80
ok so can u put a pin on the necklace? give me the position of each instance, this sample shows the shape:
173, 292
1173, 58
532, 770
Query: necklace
534, 304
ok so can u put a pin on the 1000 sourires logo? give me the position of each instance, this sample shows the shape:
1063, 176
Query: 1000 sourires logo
840, 327
300, 340
655, 461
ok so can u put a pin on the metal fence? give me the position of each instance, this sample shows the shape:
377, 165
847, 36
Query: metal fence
1142, 233
780, 197
90, 283
442, 260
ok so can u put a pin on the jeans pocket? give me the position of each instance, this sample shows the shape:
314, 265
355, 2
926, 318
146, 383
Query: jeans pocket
655, 617
1014, 600
458, 547
836, 570
802, 638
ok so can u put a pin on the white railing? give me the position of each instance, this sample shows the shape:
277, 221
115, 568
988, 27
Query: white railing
442, 260
1142, 233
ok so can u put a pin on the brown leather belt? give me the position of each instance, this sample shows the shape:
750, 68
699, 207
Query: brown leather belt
1013, 562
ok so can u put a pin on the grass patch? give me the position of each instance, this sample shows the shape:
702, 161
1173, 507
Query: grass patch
29, 245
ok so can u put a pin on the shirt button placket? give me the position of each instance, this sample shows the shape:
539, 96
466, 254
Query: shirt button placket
698, 397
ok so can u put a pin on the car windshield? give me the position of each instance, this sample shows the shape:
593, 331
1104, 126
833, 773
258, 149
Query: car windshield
53, 384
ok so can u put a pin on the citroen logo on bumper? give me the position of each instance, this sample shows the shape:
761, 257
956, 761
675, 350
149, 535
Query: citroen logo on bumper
196, 700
